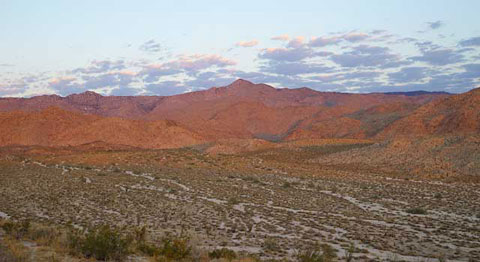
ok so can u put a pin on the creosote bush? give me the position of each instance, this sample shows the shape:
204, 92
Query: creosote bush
222, 253
102, 243
175, 248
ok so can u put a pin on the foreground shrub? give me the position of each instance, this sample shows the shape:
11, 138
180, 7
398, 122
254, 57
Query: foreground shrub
324, 253
176, 248
102, 243
222, 253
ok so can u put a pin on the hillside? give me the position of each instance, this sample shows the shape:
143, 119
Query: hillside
458, 114
57, 127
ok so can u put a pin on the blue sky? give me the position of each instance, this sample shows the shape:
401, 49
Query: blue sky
170, 47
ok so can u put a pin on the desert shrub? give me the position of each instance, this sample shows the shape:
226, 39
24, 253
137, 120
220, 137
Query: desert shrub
17, 230
102, 243
416, 211
149, 249
175, 248
222, 253
324, 253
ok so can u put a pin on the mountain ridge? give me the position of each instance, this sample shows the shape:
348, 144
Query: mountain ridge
243, 110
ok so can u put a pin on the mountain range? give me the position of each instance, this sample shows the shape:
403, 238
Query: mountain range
241, 110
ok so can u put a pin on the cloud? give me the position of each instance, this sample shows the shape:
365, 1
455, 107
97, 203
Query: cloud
297, 42
66, 85
427, 46
295, 68
378, 32
471, 71
324, 41
350, 76
323, 53
439, 57
209, 79
199, 62
124, 91
152, 73
151, 46
365, 55
285, 54
166, 88
474, 41
435, 25
101, 66
352, 37
284, 37
107, 80
408, 74
247, 43
355, 37
12, 89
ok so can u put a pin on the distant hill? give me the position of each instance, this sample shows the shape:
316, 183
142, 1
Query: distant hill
418, 93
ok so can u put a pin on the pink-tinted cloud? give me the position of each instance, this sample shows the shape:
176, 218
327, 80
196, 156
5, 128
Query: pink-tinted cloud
296, 42
283, 37
247, 43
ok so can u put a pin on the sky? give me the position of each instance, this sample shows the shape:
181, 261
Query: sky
170, 47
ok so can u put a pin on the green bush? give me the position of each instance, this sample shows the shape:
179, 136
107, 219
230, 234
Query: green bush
101, 243
149, 249
176, 249
222, 253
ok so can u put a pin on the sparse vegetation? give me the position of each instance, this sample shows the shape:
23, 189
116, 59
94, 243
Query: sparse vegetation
228, 205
